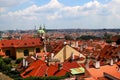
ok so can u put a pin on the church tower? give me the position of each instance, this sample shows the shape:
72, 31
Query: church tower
42, 35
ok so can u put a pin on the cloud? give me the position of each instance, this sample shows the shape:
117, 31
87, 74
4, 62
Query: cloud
56, 15
10, 3
2, 9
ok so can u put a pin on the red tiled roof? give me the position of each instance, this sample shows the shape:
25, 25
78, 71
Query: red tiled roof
68, 65
112, 70
58, 48
21, 43
108, 52
39, 70
90, 78
62, 72
9, 43
33, 69
51, 70
30, 43
115, 38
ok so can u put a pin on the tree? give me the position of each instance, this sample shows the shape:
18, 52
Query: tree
68, 37
108, 41
7, 60
18, 60
118, 41
87, 37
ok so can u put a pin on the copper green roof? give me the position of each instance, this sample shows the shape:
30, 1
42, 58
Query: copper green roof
40, 31
77, 70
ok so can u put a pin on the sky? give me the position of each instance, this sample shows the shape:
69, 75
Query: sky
59, 14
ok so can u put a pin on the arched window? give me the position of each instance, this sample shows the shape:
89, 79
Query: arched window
26, 52
7, 52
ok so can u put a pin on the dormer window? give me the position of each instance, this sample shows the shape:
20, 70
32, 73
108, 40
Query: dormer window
12, 44
2, 44
33, 43
25, 43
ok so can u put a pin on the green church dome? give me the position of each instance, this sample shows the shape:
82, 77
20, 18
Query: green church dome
40, 31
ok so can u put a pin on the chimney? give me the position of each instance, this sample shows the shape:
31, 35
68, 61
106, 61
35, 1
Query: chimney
76, 45
97, 64
111, 62
72, 55
81, 48
26, 63
65, 43
87, 62
116, 59
52, 55
80, 55
23, 62
46, 59
36, 56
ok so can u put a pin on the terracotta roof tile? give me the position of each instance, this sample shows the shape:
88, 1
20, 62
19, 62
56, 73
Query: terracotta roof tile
21, 43
61, 73
39, 71
68, 65
51, 70
108, 52
33, 69
112, 70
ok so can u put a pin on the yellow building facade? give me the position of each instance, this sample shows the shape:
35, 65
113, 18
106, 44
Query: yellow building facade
66, 53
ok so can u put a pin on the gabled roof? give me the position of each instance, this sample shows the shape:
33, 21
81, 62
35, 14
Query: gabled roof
37, 68
40, 68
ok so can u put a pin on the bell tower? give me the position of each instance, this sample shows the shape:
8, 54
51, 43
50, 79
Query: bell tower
42, 35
